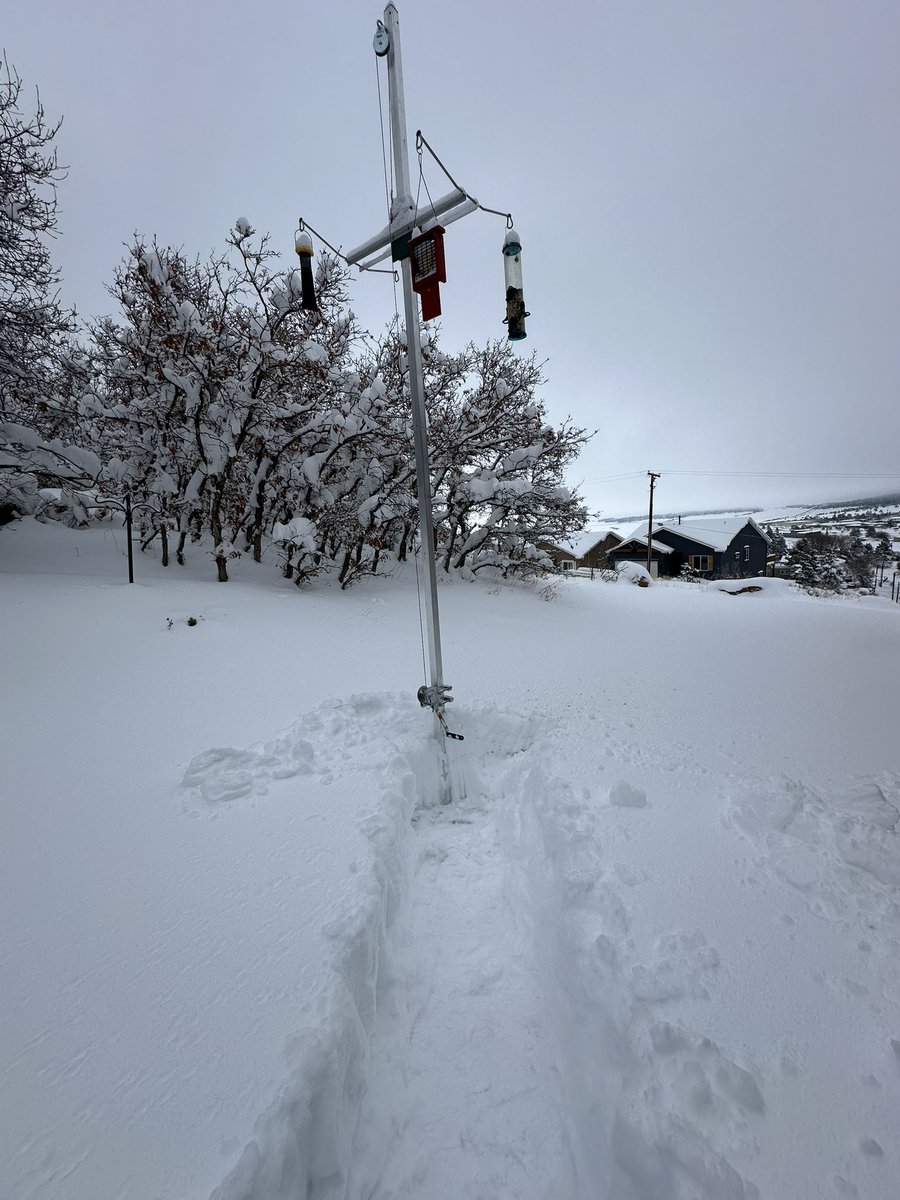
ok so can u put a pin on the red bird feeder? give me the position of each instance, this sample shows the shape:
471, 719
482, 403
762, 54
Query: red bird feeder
426, 256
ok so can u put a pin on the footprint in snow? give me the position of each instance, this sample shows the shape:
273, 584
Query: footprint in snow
626, 795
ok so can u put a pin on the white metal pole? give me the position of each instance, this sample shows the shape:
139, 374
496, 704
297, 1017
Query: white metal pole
404, 202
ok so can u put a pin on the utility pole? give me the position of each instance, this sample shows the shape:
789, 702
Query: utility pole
653, 478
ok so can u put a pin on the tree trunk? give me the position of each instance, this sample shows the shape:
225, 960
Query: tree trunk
215, 528
179, 553
164, 538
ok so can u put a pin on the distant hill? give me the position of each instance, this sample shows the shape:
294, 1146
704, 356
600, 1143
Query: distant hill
766, 513
865, 502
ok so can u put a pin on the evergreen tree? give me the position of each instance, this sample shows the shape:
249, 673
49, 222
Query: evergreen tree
859, 562
777, 545
802, 564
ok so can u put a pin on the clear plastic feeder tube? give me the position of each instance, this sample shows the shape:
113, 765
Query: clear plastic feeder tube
515, 296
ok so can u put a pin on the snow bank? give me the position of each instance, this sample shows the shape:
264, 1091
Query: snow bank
634, 573
302, 1141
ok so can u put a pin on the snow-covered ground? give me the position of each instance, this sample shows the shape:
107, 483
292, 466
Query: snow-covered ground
650, 954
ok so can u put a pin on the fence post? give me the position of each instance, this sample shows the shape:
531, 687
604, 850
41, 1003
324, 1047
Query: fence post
128, 527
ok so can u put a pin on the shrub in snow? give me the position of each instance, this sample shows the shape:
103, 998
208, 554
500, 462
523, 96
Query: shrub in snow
634, 573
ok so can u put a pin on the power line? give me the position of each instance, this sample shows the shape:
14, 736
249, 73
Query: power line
796, 474
757, 475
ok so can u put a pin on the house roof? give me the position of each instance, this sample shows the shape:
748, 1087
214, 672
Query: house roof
640, 536
584, 542
715, 532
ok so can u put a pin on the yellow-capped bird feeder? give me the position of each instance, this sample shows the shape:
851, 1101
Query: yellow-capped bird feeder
515, 296
304, 247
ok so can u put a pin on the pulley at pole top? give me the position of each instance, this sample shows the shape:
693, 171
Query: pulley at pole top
381, 42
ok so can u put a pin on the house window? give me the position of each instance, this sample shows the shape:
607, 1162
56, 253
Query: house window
568, 564
700, 562
746, 554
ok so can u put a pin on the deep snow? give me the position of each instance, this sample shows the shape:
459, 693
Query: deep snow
651, 954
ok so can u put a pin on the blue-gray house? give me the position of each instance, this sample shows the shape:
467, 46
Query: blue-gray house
715, 547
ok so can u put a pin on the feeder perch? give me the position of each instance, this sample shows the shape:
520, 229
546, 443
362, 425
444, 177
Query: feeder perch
304, 247
515, 297
426, 256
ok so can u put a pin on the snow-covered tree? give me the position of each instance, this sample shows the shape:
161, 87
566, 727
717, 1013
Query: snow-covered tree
226, 409
497, 464
32, 323
216, 376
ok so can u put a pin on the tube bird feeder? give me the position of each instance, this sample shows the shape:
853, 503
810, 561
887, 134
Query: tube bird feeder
304, 247
515, 297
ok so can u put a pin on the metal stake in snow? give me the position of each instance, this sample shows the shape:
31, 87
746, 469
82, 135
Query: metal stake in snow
436, 695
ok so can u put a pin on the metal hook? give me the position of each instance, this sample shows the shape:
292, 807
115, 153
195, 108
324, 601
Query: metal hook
301, 227
509, 221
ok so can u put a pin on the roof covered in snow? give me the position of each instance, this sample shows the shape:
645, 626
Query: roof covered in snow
582, 543
639, 535
715, 532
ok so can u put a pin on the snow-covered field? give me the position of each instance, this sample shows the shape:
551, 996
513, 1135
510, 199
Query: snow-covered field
652, 953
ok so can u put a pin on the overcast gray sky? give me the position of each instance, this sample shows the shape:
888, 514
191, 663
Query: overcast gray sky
708, 194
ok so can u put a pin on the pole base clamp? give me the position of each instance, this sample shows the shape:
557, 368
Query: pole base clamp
435, 698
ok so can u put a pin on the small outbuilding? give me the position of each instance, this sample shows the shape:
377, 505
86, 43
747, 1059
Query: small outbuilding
588, 550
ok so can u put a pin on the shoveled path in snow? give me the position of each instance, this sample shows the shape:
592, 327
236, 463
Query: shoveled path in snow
465, 1095
526, 1044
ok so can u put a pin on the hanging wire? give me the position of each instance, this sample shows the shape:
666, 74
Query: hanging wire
303, 225
423, 180
386, 153
421, 617
384, 157
422, 141
388, 190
